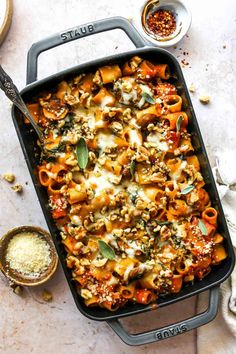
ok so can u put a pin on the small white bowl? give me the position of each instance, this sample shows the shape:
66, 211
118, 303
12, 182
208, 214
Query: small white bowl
183, 21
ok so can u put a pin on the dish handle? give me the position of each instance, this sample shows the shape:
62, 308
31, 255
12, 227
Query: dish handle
77, 33
171, 330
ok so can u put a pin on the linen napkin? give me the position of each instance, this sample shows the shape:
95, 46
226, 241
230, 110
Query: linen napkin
219, 336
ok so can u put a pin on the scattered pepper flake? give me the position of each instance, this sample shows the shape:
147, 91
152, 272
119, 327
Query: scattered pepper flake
17, 188
47, 295
162, 23
184, 62
9, 177
204, 99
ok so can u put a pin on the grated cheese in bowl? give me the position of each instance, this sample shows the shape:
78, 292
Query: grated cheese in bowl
28, 254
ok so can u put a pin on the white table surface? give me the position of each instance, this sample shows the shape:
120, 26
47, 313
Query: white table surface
27, 324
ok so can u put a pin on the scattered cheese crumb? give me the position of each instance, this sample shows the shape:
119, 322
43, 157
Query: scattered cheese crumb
9, 177
204, 99
192, 88
47, 295
28, 254
17, 188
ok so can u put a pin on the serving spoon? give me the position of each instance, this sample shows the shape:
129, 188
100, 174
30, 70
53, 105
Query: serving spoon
12, 92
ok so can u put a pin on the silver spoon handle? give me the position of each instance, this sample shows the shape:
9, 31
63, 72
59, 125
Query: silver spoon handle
11, 91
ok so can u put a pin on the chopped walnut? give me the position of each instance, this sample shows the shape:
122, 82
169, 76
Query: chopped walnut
78, 79
115, 179
17, 289
97, 78
68, 177
145, 216
85, 261
94, 226
142, 154
192, 88
71, 161
47, 295
165, 233
92, 157
9, 177
134, 62
194, 197
116, 127
17, 188
86, 294
78, 245
70, 99
99, 262
204, 99
150, 127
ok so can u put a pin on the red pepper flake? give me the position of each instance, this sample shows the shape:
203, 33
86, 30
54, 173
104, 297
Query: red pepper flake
162, 23
184, 62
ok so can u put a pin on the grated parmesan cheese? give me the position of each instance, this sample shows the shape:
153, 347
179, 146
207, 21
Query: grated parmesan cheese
28, 254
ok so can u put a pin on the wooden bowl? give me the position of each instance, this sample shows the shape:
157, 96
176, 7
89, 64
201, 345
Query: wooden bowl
6, 10
17, 277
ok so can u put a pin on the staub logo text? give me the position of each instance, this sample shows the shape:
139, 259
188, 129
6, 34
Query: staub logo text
172, 331
77, 32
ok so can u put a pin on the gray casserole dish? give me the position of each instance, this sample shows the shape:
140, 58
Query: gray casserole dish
28, 139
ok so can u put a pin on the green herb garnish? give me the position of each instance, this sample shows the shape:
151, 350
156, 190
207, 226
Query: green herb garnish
82, 153
187, 190
132, 167
106, 250
148, 98
162, 223
202, 227
178, 123
163, 243
59, 148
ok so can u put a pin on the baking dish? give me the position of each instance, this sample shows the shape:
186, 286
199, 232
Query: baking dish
28, 143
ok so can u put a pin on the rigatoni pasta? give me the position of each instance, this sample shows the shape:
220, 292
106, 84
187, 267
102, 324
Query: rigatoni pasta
124, 184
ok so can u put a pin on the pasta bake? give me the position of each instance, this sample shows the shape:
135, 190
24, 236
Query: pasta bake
124, 184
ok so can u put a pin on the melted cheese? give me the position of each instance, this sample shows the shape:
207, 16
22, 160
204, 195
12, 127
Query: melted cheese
156, 139
100, 183
176, 175
127, 271
134, 137
75, 220
180, 230
105, 140
106, 101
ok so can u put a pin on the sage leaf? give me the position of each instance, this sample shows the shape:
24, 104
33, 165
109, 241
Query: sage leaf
163, 243
132, 167
148, 98
106, 250
82, 153
202, 227
187, 190
178, 123
162, 223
